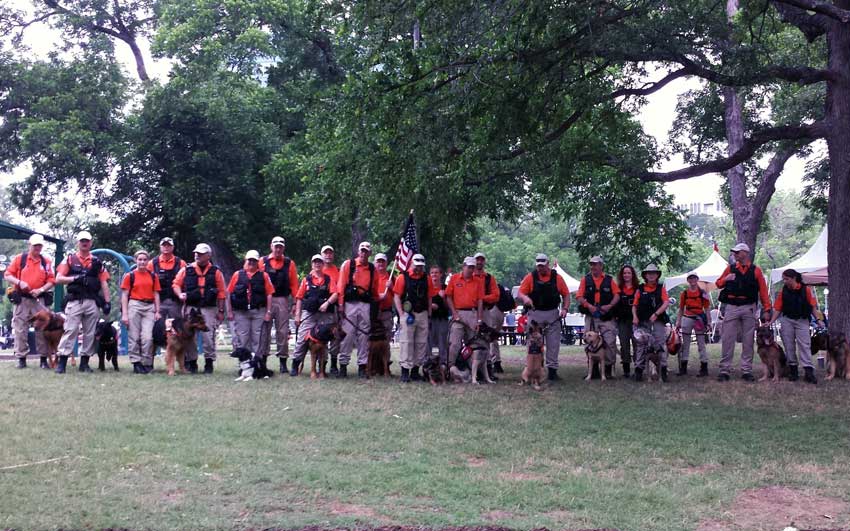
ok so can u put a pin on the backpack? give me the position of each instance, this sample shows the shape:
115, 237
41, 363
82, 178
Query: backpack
506, 299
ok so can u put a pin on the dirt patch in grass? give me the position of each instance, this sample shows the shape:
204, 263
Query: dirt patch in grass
523, 476
698, 469
173, 496
349, 509
476, 462
776, 507
495, 516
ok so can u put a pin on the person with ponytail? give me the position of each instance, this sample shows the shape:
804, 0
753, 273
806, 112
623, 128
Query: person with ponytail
794, 304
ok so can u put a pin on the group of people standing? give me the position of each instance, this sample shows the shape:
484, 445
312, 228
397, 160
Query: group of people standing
360, 296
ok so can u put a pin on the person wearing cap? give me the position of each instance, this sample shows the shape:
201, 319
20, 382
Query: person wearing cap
165, 267
438, 333
597, 297
650, 312
200, 285
795, 304
465, 298
627, 283
693, 305
140, 307
412, 297
493, 316
251, 293
31, 274
385, 302
88, 291
328, 255
284, 276
742, 287
542, 292
358, 287
314, 305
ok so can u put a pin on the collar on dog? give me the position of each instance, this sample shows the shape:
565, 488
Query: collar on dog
598, 347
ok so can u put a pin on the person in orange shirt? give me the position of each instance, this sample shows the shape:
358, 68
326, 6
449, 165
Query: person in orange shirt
542, 292
88, 291
412, 298
332, 271
493, 316
200, 285
31, 274
165, 267
795, 304
650, 312
284, 276
139, 309
251, 292
385, 304
627, 283
438, 335
465, 297
358, 287
314, 305
693, 317
597, 297
742, 286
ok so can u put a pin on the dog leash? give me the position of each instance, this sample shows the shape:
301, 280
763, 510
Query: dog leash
366, 332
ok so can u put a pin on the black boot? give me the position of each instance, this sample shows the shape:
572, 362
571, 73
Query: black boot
609, 370
414, 374
703, 369
553, 375
793, 373
84, 364
683, 368
361, 372
809, 375
664, 373
283, 369
208, 366
43, 364
101, 362
497, 367
137, 368
296, 363
334, 369
638, 374
60, 366
405, 375
342, 372
192, 366
22, 363
594, 371
627, 369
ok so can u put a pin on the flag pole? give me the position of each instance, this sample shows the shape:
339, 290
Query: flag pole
392, 271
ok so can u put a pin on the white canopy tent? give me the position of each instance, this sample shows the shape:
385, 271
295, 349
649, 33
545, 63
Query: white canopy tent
572, 284
819, 277
708, 272
813, 260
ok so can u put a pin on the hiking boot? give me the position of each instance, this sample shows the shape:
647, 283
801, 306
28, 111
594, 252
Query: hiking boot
594, 371
137, 368
22, 363
43, 364
609, 370
296, 364
342, 372
60, 366
208, 366
405, 375
553, 375
84, 364
683, 368
722, 377
664, 373
334, 369
361, 372
748, 377
146, 369
638, 374
414, 374
627, 369
809, 375
703, 370
793, 373
497, 368
283, 369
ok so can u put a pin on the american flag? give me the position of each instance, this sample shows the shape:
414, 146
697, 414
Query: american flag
408, 246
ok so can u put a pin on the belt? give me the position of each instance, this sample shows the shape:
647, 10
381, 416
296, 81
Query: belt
465, 309
146, 301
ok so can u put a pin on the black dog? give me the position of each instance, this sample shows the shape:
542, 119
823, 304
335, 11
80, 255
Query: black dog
251, 366
107, 345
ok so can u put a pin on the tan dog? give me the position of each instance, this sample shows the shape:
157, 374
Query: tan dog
771, 354
378, 362
317, 344
181, 333
594, 348
838, 352
52, 326
533, 372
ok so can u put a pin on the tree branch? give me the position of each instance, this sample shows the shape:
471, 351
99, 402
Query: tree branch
812, 26
824, 8
767, 185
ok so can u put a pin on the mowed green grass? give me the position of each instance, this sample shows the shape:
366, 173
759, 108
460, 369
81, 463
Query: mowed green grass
204, 452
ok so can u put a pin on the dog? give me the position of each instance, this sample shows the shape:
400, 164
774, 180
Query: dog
460, 372
180, 332
432, 371
251, 366
820, 340
594, 349
838, 352
533, 371
771, 354
317, 344
52, 326
107, 345
378, 362
480, 344
648, 347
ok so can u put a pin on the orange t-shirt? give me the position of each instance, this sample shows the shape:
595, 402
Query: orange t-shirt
650, 289
398, 287
361, 279
318, 280
167, 263
693, 302
764, 296
219, 279
65, 266
144, 285
32, 273
277, 263
231, 287
527, 284
491, 297
465, 294
777, 304
597, 281
387, 303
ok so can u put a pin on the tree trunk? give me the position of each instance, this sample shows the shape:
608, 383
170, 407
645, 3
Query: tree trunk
358, 233
837, 139
140, 59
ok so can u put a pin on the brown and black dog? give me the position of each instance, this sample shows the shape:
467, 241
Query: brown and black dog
838, 352
317, 345
594, 349
771, 354
480, 343
378, 362
180, 332
432, 371
52, 326
533, 371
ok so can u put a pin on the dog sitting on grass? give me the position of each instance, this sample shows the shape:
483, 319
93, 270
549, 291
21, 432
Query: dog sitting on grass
432, 371
251, 366
838, 352
771, 354
107, 345
317, 345
533, 371
51, 325
179, 334
481, 351
594, 349
378, 362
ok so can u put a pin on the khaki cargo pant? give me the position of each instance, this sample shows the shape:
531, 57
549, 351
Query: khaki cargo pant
247, 325
140, 332
308, 321
608, 330
687, 328
438, 337
20, 325
459, 333
170, 309
495, 318
80, 312
414, 340
207, 338
796, 336
738, 321
386, 318
280, 315
551, 321
356, 325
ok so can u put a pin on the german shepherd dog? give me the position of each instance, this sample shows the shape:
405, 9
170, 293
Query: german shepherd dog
52, 326
378, 362
480, 343
838, 352
432, 371
533, 371
180, 332
594, 349
317, 344
648, 347
771, 354
107, 345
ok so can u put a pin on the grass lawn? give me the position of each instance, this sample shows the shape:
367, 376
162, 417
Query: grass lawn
204, 452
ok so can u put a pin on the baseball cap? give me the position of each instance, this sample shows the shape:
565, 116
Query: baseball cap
741, 247
692, 274
365, 245
596, 260
202, 248
479, 254
317, 258
84, 235
36, 239
418, 259
469, 261
327, 248
381, 256
541, 258
252, 255
278, 240
167, 240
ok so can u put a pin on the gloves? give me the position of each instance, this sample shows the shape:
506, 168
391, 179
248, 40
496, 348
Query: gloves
107, 307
